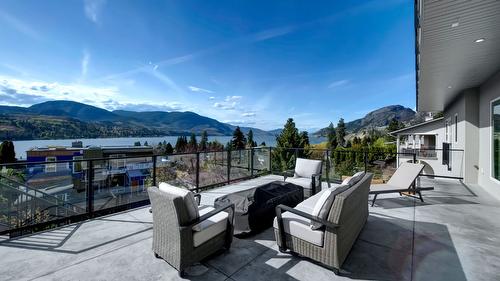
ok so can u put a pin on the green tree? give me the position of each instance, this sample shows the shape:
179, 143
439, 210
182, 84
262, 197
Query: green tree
394, 125
204, 141
263, 143
250, 141
331, 136
169, 149
286, 142
341, 132
181, 144
146, 143
137, 143
7, 152
193, 143
239, 140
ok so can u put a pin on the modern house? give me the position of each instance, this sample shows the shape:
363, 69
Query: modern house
458, 73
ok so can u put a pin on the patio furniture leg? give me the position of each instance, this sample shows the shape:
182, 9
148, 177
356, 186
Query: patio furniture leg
420, 196
374, 198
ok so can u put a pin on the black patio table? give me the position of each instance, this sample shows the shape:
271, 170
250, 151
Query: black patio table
255, 208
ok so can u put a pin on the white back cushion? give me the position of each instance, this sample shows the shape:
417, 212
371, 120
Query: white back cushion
305, 168
324, 204
354, 179
405, 175
186, 195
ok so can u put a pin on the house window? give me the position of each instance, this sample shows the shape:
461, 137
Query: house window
77, 166
456, 127
50, 168
495, 123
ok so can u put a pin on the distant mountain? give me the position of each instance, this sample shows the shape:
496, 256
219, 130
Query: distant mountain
68, 119
378, 118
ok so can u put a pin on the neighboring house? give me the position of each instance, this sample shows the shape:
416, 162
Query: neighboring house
61, 179
433, 144
458, 73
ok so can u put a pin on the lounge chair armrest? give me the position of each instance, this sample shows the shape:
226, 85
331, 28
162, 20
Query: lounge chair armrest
326, 223
197, 197
211, 213
288, 173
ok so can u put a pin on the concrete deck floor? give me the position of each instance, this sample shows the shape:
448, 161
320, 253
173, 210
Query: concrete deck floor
454, 235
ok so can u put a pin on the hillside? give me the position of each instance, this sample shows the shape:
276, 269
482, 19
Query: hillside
379, 118
68, 119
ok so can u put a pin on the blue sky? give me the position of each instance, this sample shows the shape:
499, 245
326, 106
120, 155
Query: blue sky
251, 63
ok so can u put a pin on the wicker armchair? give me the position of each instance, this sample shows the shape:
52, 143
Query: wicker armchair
307, 173
184, 233
325, 240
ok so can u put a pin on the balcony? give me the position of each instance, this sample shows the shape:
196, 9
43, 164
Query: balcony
452, 236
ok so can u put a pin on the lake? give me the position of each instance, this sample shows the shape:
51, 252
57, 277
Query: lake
22, 146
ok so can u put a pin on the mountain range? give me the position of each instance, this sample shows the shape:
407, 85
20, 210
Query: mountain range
379, 119
69, 119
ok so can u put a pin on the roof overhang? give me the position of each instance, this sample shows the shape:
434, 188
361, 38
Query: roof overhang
450, 55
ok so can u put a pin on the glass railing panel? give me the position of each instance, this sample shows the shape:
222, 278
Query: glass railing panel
117, 185
213, 168
38, 193
240, 164
261, 160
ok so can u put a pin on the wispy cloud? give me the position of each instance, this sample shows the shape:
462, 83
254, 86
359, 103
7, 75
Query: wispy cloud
211, 98
93, 8
338, 83
14, 91
233, 98
84, 64
19, 25
225, 105
200, 90
248, 114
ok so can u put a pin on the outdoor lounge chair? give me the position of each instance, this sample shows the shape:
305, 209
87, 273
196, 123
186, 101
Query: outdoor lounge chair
184, 233
325, 226
402, 182
307, 173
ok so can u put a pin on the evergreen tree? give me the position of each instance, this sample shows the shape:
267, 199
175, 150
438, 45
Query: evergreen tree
137, 143
181, 144
263, 143
169, 149
146, 143
7, 152
331, 136
394, 125
193, 143
238, 141
304, 139
341, 133
204, 141
286, 142
250, 141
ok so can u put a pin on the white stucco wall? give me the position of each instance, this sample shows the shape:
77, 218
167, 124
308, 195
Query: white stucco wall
489, 92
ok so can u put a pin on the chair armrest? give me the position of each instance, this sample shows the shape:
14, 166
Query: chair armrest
211, 213
288, 173
197, 197
326, 223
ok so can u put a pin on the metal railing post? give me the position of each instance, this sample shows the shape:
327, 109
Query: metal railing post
365, 156
251, 161
197, 171
414, 157
90, 187
154, 170
327, 167
296, 154
228, 166
270, 160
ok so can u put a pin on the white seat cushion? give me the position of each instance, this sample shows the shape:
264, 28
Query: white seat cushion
187, 197
210, 227
304, 182
305, 168
299, 227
